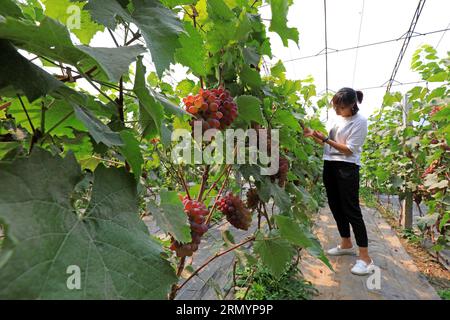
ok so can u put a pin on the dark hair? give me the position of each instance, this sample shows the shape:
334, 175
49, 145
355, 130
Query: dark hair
348, 97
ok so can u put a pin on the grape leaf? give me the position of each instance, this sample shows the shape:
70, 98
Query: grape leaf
161, 29
159, 26
218, 9
114, 61
173, 3
52, 39
98, 130
291, 231
286, 118
106, 12
45, 236
65, 11
170, 216
151, 111
192, 52
132, 152
251, 77
278, 23
275, 252
249, 108
300, 236
10, 8
278, 70
23, 77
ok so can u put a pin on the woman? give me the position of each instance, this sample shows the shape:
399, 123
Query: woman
342, 151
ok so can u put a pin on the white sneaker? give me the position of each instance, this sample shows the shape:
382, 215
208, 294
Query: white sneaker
361, 268
337, 251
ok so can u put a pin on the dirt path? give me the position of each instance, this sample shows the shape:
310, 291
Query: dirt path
400, 277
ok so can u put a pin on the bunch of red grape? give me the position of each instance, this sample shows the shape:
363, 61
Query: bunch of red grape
435, 110
196, 212
252, 198
431, 168
235, 210
214, 108
283, 169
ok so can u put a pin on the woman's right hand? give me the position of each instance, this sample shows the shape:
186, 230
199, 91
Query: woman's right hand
308, 132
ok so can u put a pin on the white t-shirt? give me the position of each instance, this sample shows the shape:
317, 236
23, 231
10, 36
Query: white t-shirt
351, 131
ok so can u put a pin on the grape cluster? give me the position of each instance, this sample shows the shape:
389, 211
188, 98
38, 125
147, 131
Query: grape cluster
196, 211
235, 211
435, 110
431, 168
214, 108
283, 169
252, 198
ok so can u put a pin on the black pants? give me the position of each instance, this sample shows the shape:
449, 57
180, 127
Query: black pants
341, 180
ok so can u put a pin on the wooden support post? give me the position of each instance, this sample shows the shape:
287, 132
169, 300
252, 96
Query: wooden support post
408, 201
408, 211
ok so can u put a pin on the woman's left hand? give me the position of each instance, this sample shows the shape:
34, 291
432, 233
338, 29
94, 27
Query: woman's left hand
318, 135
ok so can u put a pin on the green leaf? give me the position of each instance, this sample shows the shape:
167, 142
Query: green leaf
390, 98
432, 182
192, 52
244, 27
291, 231
278, 70
51, 39
173, 3
23, 77
64, 11
267, 189
286, 118
251, 56
170, 216
106, 12
438, 77
249, 108
218, 9
98, 130
10, 8
275, 253
161, 29
114, 61
251, 77
300, 236
278, 24
45, 236
185, 87
132, 152
152, 112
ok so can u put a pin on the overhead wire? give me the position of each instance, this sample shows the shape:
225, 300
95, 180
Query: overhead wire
359, 37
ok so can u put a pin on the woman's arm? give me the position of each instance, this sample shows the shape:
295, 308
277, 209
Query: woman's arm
341, 147
308, 132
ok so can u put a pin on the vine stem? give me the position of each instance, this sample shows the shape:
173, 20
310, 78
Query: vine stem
26, 113
266, 215
214, 257
208, 218
194, 20
204, 181
250, 278
175, 287
4, 106
47, 134
183, 182
216, 182
96, 87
